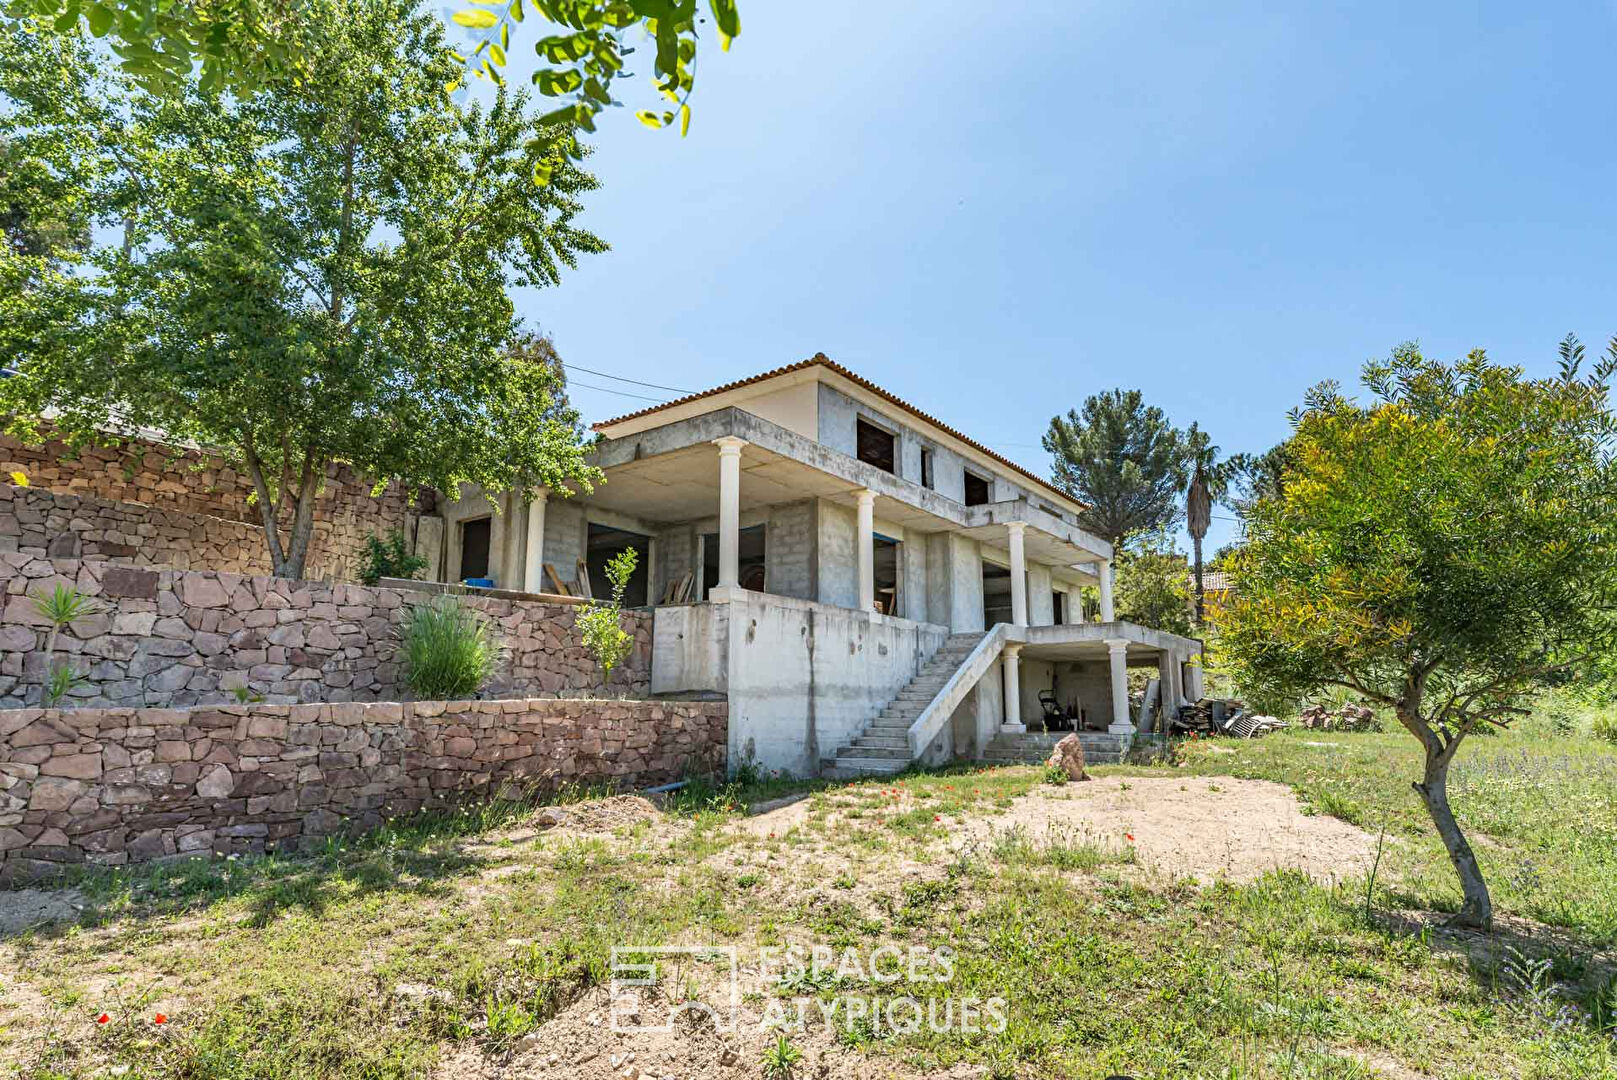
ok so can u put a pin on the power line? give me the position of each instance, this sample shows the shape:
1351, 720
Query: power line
620, 393
621, 378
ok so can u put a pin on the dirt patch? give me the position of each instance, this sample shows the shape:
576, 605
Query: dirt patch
580, 1043
25, 908
598, 815
1206, 828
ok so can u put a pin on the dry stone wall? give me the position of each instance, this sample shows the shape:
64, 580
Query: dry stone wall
112, 786
35, 521
195, 483
163, 638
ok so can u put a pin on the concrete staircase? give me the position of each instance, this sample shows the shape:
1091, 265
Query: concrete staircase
883, 748
1033, 748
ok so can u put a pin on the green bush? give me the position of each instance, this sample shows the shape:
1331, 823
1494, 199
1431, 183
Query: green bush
1605, 726
449, 651
389, 558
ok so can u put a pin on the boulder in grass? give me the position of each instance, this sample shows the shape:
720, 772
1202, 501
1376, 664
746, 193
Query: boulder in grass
1068, 756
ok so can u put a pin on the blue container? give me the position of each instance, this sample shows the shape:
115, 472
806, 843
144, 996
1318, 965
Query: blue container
479, 582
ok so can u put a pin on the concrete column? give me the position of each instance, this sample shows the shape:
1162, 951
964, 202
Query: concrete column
1194, 684
729, 510
867, 550
533, 570
1011, 660
1108, 613
1175, 690
1072, 609
1016, 529
1118, 654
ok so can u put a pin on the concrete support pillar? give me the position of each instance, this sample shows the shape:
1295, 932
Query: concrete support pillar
1174, 692
533, 568
1072, 609
1011, 660
729, 510
1017, 529
1118, 655
867, 550
1195, 686
1108, 613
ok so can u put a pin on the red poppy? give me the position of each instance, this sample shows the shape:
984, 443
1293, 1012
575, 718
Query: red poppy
1130, 836
103, 1019
160, 1018
936, 818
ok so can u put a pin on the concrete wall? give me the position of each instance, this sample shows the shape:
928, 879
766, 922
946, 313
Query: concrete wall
802, 678
173, 637
114, 786
790, 548
795, 408
1090, 683
954, 580
838, 555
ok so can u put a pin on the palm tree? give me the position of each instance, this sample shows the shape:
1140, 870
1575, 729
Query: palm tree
1209, 483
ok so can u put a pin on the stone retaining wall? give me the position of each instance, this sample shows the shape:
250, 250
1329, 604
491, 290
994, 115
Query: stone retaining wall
162, 638
35, 521
193, 482
111, 786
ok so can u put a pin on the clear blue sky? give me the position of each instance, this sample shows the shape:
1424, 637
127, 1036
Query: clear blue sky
996, 209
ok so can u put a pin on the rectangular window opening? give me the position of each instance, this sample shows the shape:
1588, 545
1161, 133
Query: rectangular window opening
926, 468
976, 490
876, 446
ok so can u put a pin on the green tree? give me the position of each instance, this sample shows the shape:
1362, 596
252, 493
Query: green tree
1151, 587
246, 45
308, 275
1209, 483
1443, 550
1123, 460
1250, 477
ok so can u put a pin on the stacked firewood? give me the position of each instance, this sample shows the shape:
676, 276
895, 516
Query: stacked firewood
1349, 717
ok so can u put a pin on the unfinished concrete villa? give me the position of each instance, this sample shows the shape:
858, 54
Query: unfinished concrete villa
867, 586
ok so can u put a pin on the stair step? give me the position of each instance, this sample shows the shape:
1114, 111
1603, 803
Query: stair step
887, 742
873, 752
851, 768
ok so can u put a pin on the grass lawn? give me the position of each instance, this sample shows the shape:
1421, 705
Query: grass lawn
478, 946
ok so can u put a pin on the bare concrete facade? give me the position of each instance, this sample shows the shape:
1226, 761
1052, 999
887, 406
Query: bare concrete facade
835, 539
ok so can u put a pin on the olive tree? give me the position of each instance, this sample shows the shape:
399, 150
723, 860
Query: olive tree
1443, 549
309, 274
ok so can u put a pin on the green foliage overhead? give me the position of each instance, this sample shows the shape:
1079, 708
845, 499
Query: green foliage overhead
449, 651
247, 45
1151, 586
1123, 460
303, 276
1443, 550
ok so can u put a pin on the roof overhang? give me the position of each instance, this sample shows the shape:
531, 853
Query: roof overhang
659, 474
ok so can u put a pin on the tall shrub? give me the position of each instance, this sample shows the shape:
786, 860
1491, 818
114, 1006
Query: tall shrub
449, 650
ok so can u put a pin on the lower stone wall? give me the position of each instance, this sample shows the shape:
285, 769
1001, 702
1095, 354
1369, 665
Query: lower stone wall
51, 524
111, 786
163, 638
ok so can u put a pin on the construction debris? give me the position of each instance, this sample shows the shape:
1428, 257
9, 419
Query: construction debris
1222, 716
1349, 717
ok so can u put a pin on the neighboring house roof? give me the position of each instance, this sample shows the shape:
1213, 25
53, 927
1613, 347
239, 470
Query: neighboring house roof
821, 360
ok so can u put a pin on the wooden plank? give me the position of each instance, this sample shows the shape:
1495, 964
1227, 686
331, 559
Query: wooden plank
558, 586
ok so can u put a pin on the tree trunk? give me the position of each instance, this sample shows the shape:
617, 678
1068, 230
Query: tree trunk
1196, 543
297, 552
1477, 910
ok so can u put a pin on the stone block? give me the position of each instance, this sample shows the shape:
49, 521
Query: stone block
130, 582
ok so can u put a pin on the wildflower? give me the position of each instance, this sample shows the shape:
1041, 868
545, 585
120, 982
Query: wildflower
1130, 837
160, 1018
772, 836
936, 818
103, 1019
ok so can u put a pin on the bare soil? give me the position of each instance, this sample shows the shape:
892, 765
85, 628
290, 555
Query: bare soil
1197, 827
